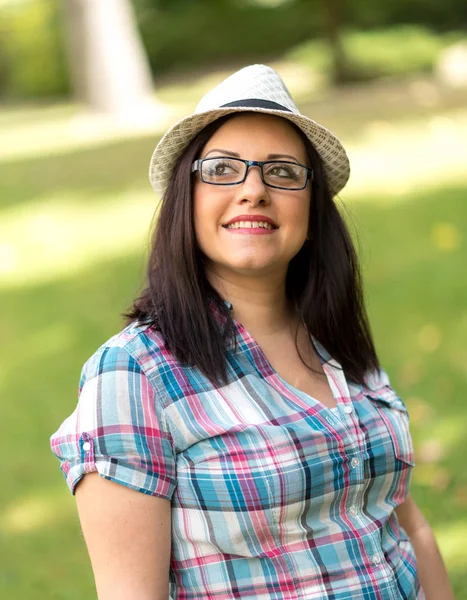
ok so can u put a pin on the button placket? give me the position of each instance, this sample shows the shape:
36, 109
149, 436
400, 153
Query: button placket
349, 420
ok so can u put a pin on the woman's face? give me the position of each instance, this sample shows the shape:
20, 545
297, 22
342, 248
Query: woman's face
252, 137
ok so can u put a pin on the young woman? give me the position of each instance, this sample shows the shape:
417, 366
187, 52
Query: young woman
238, 438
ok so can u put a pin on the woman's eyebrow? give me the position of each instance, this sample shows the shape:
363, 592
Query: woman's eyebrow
277, 156
224, 152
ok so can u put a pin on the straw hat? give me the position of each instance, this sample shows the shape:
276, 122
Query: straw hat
256, 88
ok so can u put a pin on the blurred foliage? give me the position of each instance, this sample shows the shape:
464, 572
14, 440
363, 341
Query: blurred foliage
375, 53
188, 33
180, 35
32, 61
438, 15
394, 51
441, 15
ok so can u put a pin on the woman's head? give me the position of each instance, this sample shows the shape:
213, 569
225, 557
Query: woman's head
312, 248
195, 212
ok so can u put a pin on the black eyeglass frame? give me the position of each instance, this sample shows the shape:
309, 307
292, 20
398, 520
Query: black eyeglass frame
196, 166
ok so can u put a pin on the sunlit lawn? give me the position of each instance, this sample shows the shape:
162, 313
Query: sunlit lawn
73, 232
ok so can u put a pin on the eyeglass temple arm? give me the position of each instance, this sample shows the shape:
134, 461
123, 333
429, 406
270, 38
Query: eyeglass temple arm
196, 166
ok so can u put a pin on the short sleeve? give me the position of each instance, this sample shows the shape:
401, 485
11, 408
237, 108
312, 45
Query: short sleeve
117, 429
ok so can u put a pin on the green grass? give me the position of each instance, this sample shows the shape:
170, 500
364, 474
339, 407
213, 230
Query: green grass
413, 251
414, 260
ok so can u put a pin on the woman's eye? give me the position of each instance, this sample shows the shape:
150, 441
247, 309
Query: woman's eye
221, 168
282, 171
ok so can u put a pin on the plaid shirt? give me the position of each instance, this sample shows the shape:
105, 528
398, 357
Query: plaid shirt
273, 495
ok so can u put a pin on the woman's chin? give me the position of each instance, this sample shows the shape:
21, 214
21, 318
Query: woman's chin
253, 267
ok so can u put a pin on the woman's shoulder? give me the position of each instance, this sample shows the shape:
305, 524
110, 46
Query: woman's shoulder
137, 343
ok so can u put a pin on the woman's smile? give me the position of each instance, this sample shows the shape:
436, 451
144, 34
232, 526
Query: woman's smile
250, 228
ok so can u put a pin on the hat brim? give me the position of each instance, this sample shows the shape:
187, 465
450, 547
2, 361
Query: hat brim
176, 139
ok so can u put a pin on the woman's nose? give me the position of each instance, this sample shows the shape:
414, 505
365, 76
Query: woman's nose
253, 188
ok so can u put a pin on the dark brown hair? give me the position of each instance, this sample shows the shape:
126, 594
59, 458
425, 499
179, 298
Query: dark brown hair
323, 280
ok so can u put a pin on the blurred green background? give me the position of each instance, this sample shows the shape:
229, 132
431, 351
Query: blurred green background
76, 210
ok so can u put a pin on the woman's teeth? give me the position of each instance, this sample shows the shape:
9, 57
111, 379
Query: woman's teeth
249, 224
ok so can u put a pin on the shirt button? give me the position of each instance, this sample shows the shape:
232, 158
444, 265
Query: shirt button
86, 446
348, 409
355, 462
353, 511
376, 559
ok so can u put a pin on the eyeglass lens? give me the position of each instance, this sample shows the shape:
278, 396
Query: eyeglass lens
225, 171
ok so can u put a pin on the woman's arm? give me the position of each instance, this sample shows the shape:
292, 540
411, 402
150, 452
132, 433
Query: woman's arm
128, 536
431, 570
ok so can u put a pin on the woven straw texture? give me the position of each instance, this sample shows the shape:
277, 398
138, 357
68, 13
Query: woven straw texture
253, 82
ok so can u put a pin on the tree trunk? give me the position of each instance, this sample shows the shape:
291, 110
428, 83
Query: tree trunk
109, 67
334, 19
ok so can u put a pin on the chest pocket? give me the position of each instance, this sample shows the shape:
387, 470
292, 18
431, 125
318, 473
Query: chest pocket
393, 413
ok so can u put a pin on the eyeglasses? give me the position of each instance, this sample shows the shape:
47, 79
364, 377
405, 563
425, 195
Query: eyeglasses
224, 170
